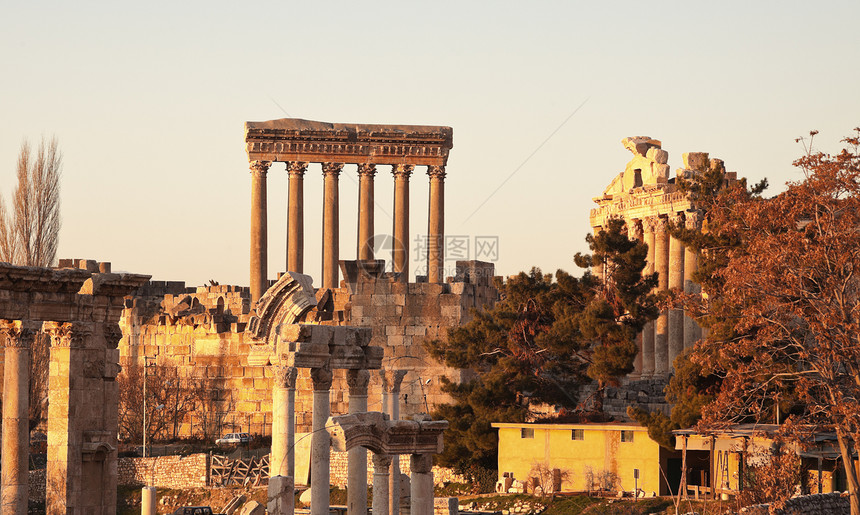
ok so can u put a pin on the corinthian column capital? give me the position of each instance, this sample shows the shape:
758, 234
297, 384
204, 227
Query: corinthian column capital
322, 378
297, 168
67, 334
693, 220
402, 171
357, 381
259, 168
367, 169
391, 380
661, 224
18, 333
677, 219
332, 168
285, 377
634, 230
436, 172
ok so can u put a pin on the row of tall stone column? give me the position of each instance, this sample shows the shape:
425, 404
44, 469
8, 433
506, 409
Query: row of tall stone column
331, 222
674, 330
386, 478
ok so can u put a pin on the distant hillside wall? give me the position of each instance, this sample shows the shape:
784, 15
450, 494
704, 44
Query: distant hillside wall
200, 333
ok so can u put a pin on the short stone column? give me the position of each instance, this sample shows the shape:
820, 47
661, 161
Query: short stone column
676, 282
18, 337
661, 327
648, 236
692, 331
320, 442
356, 479
422, 484
283, 421
259, 245
391, 381
296, 216
331, 225
366, 173
400, 253
381, 466
436, 226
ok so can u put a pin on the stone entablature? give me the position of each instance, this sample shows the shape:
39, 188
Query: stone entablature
78, 308
293, 139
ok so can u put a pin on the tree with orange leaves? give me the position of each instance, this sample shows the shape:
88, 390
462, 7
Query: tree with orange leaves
789, 296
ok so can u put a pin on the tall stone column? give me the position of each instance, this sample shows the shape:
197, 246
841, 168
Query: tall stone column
381, 466
283, 421
356, 479
661, 327
400, 253
366, 173
331, 225
296, 216
320, 442
391, 381
18, 337
67, 422
597, 269
421, 489
648, 227
436, 226
635, 233
692, 331
259, 265
676, 282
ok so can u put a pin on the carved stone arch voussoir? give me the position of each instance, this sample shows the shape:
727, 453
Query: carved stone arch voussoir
286, 302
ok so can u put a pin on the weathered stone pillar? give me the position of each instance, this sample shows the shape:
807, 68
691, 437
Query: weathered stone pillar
676, 282
68, 375
648, 228
661, 327
259, 249
18, 337
422, 484
356, 480
400, 253
320, 442
381, 466
597, 269
634, 232
283, 421
391, 381
331, 225
692, 331
366, 172
296, 216
436, 226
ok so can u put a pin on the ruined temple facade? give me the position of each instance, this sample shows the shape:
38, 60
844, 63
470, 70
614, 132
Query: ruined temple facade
203, 332
645, 196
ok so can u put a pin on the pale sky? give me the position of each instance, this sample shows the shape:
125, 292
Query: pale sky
148, 102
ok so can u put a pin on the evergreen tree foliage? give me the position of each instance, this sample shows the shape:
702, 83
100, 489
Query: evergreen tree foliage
542, 341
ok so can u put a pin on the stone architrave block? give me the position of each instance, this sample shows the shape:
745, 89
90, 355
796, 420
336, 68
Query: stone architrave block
280, 496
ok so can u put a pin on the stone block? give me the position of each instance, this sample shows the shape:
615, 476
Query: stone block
695, 160
658, 155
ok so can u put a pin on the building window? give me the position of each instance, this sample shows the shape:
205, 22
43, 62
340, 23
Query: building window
577, 434
527, 432
626, 436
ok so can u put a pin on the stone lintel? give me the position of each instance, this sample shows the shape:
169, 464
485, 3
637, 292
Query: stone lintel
293, 139
640, 205
381, 435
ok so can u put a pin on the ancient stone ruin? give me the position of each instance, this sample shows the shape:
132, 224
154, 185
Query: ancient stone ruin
79, 309
646, 197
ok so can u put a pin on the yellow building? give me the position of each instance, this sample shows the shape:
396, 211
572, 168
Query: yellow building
618, 452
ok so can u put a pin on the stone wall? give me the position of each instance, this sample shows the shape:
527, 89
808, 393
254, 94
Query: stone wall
338, 470
165, 471
200, 332
446, 506
817, 504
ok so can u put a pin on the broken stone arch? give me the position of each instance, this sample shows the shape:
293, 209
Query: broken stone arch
286, 302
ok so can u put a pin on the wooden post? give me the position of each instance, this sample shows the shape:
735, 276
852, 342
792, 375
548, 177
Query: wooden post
684, 466
711, 465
